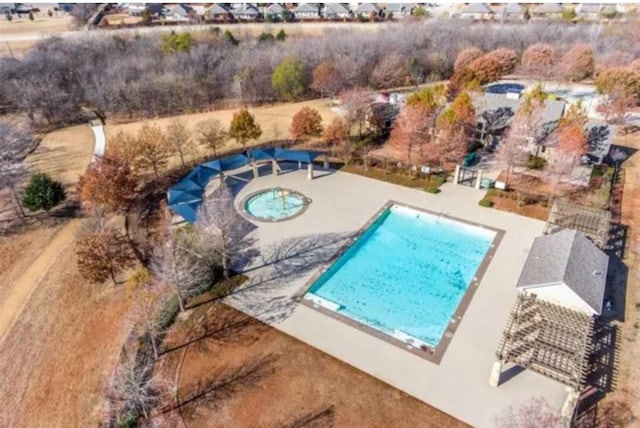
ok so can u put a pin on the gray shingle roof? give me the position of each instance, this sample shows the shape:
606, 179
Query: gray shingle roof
276, 8
306, 8
398, 7
368, 8
568, 257
218, 9
336, 8
473, 8
488, 102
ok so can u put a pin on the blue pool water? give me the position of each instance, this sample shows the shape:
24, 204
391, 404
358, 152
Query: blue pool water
408, 271
275, 204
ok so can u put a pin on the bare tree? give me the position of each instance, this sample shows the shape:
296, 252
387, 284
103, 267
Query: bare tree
82, 11
218, 221
185, 263
355, 104
179, 137
134, 388
148, 299
212, 135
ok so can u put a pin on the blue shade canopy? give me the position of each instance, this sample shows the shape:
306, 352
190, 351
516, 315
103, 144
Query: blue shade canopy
234, 161
262, 154
187, 184
201, 176
185, 197
215, 165
187, 211
178, 196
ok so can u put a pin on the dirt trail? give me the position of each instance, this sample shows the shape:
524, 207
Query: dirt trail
25, 285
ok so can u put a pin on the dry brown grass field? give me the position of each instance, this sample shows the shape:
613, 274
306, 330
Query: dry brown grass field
286, 382
273, 119
42, 24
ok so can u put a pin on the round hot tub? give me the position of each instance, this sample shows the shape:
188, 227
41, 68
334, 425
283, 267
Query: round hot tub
276, 204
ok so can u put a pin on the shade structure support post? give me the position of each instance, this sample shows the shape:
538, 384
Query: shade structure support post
310, 171
326, 162
274, 167
456, 175
254, 166
479, 179
570, 404
299, 165
496, 370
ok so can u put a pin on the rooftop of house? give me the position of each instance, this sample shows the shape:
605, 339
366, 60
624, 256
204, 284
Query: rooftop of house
475, 8
368, 8
568, 257
487, 104
306, 8
599, 139
336, 8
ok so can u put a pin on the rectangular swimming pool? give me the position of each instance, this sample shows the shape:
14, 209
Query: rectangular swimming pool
405, 275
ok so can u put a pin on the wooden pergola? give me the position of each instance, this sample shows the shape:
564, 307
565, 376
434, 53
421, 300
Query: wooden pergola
593, 222
548, 339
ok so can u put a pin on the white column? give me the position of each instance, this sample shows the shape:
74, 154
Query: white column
310, 171
478, 179
456, 175
326, 162
570, 404
494, 379
274, 167
299, 165
255, 170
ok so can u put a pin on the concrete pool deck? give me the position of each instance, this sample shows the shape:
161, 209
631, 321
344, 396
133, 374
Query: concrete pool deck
285, 255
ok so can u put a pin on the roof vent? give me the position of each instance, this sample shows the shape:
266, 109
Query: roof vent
597, 273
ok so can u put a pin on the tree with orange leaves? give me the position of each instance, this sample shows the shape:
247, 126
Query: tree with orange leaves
327, 80
306, 123
107, 186
411, 131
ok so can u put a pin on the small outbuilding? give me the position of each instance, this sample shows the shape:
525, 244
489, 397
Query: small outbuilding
566, 268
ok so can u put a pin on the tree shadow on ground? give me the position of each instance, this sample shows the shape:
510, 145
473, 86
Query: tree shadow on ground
314, 419
616, 290
281, 264
224, 328
602, 374
224, 384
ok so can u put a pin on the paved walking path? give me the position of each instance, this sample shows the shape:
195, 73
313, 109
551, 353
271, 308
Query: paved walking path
26, 284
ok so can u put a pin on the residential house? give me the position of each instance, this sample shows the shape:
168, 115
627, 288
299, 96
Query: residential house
567, 269
336, 11
246, 12
494, 113
509, 12
307, 11
218, 12
367, 9
275, 11
136, 9
400, 9
7, 8
548, 11
477, 12
179, 12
